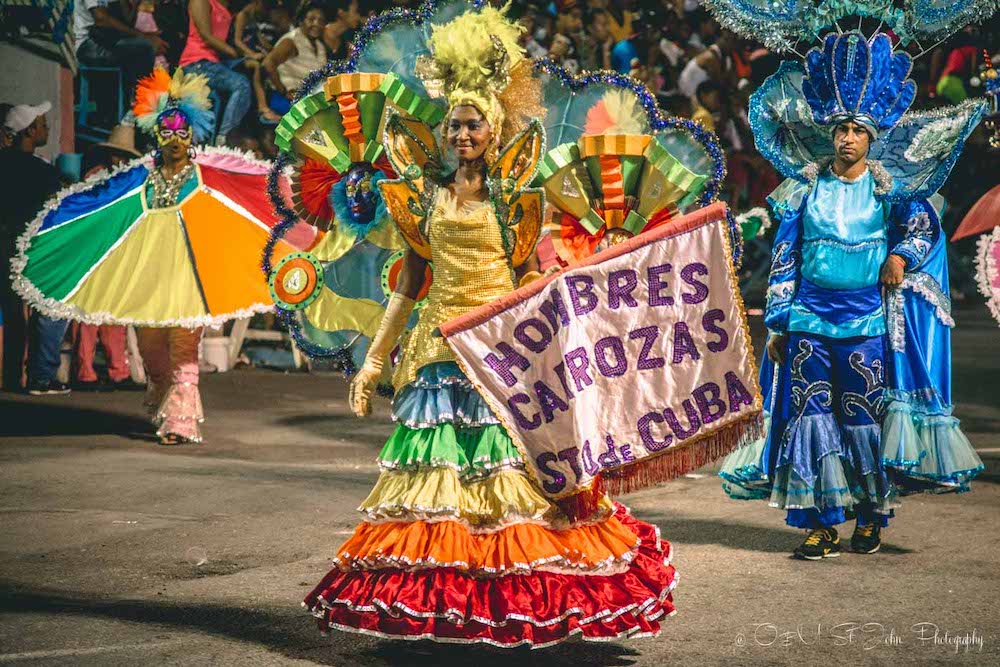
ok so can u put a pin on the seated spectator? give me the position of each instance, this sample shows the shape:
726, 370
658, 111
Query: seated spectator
338, 33
203, 54
569, 39
296, 55
708, 102
251, 38
527, 39
102, 39
599, 42
619, 19
117, 150
714, 63
145, 22
29, 181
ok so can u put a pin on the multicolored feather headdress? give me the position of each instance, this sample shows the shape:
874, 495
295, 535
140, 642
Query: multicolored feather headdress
188, 94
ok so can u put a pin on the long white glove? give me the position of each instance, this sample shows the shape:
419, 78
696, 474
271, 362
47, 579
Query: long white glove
397, 312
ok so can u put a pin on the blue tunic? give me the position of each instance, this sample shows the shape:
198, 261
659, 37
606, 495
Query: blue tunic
844, 243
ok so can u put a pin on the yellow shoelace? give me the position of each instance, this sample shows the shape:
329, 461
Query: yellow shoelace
816, 536
866, 531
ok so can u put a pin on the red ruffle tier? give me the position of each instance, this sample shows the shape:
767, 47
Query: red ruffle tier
535, 609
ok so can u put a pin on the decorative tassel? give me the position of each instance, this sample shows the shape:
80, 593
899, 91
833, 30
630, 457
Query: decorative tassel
679, 461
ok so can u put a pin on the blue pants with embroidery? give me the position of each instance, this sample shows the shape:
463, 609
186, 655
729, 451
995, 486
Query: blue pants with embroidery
827, 428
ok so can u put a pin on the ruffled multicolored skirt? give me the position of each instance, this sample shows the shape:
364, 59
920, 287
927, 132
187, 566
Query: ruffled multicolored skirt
457, 545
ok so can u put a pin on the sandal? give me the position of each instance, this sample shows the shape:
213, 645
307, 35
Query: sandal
268, 117
169, 439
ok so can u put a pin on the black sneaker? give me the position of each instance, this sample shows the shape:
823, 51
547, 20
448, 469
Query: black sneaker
866, 539
51, 388
821, 543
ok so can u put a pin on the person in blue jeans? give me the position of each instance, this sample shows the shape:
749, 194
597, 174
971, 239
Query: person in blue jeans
44, 354
29, 181
208, 53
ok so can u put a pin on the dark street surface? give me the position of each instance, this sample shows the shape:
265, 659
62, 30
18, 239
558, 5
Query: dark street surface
116, 551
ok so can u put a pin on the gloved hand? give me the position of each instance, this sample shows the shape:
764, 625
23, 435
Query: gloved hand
366, 379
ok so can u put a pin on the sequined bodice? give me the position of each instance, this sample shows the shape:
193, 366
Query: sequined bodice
470, 270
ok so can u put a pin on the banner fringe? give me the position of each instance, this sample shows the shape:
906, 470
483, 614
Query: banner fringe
676, 462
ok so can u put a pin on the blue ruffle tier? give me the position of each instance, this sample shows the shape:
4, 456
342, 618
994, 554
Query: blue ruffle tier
441, 394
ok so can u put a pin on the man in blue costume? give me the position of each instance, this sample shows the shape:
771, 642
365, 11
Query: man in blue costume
857, 374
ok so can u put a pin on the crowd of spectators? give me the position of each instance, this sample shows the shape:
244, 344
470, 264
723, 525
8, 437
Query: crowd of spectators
256, 53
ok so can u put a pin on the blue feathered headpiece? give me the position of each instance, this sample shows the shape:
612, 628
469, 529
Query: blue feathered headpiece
852, 79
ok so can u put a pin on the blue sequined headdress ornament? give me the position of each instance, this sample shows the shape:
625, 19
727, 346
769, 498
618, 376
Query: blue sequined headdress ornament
852, 79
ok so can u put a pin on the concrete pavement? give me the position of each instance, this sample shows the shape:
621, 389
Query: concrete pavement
115, 551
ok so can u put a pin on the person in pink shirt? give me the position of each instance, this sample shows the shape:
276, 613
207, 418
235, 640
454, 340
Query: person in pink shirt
207, 52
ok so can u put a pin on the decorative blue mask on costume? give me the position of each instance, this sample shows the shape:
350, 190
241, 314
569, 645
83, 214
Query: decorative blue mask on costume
361, 194
851, 79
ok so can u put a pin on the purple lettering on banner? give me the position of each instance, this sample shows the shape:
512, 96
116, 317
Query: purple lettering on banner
621, 284
684, 343
627, 454
570, 456
502, 365
708, 321
522, 421
550, 401
649, 335
693, 422
560, 370
588, 459
656, 285
535, 345
738, 394
554, 310
558, 482
609, 459
578, 363
708, 397
700, 288
648, 441
581, 287
621, 361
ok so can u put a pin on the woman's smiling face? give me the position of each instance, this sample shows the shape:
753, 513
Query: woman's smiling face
469, 134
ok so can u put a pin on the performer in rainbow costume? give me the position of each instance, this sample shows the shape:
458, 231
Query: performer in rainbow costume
858, 367
457, 543
160, 243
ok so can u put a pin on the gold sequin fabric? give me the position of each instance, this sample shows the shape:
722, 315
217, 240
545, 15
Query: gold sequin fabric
470, 270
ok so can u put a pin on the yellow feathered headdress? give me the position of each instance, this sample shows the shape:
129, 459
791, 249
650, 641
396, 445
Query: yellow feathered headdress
476, 60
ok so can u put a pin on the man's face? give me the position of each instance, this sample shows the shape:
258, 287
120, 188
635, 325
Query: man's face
351, 16
599, 27
40, 131
850, 142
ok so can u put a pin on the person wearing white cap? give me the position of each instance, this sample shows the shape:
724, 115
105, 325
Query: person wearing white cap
28, 182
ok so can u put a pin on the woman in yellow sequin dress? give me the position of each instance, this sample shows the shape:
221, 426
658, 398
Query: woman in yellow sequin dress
457, 544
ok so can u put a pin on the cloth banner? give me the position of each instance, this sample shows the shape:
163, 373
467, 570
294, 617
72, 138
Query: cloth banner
632, 367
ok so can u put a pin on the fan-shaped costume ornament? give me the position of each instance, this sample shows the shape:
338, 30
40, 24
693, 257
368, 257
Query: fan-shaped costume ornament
101, 253
457, 544
895, 433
